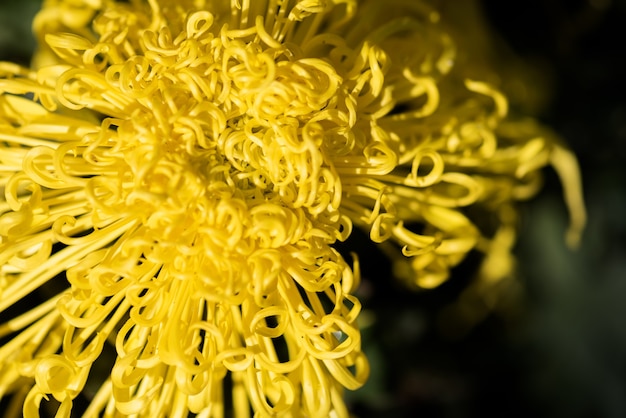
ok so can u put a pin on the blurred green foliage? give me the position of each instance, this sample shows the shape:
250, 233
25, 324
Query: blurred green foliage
16, 39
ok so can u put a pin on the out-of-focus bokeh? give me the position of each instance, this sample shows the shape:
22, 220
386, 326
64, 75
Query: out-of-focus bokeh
16, 39
559, 350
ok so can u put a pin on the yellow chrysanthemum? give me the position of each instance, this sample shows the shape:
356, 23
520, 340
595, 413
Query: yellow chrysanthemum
175, 174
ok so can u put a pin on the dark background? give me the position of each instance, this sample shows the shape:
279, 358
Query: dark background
563, 352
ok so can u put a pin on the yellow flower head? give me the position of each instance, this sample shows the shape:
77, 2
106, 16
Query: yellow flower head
175, 174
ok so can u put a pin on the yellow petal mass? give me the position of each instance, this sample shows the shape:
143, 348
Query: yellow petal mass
175, 174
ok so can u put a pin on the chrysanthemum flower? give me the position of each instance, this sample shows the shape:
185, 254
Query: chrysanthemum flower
175, 174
